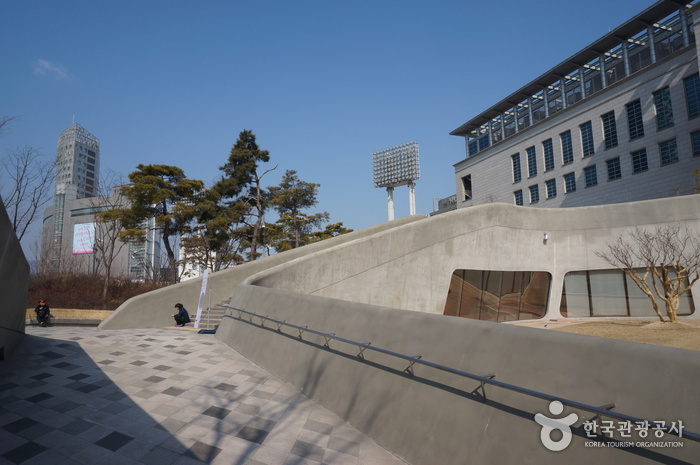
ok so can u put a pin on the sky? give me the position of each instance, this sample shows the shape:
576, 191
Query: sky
321, 83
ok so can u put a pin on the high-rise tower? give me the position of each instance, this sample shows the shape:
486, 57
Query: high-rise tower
77, 173
77, 163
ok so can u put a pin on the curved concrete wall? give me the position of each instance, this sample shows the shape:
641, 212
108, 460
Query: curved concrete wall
410, 267
436, 417
14, 276
153, 309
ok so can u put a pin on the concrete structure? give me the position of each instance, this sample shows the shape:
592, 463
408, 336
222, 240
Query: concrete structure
389, 286
153, 310
619, 121
14, 276
437, 417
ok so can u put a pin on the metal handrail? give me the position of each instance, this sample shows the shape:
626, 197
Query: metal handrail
488, 379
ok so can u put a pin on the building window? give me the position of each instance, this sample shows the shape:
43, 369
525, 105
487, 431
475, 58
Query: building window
587, 146
669, 152
548, 155
692, 95
610, 293
609, 130
531, 161
551, 185
614, 171
639, 161
569, 182
498, 295
517, 174
518, 197
567, 151
634, 120
534, 194
467, 185
695, 140
664, 111
591, 176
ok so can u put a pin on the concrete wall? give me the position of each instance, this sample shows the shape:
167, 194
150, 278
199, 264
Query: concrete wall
153, 309
439, 418
14, 279
410, 267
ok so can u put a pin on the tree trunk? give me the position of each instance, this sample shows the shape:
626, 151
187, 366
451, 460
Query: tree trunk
672, 308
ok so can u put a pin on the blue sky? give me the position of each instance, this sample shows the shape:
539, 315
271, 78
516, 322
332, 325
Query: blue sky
322, 84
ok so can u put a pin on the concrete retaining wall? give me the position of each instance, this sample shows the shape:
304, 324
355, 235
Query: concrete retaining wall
153, 309
437, 417
14, 282
410, 267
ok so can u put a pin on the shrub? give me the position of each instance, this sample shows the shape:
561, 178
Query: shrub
83, 291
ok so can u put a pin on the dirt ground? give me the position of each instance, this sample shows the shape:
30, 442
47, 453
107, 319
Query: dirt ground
683, 335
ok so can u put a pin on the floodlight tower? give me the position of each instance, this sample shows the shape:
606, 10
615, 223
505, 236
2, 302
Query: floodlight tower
394, 167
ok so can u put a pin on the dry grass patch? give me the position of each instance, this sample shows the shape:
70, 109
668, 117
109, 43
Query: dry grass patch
683, 335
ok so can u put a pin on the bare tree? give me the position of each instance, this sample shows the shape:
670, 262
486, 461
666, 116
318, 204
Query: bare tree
669, 255
27, 188
3, 122
108, 225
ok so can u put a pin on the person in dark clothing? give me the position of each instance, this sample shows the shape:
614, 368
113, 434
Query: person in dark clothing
42, 313
182, 316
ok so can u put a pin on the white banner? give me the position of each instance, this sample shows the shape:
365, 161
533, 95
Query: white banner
201, 298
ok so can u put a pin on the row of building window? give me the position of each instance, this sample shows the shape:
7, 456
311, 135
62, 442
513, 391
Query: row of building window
649, 45
668, 154
664, 119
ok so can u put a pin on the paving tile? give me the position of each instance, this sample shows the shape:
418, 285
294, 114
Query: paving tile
160, 396
24, 452
307, 451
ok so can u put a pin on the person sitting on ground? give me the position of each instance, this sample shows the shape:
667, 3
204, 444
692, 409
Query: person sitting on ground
182, 317
42, 313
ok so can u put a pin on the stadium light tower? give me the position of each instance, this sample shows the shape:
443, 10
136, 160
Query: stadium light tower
394, 167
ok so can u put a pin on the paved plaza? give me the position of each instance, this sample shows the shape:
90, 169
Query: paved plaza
160, 396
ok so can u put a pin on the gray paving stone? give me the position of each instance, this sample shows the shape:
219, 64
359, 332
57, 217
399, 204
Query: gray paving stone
163, 396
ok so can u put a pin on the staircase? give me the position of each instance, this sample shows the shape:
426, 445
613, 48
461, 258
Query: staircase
212, 318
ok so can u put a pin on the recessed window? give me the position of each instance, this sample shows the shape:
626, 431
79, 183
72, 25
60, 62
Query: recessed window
517, 174
587, 146
609, 130
610, 293
634, 120
639, 161
531, 161
569, 182
518, 197
664, 110
551, 185
548, 149
498, 295
695, 140
668, 152
467, 185
567, 152
534, 194
614, 170
692, 95
591, 176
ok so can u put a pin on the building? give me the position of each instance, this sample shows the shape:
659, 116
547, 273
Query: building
72, 241
618, 121
77, 173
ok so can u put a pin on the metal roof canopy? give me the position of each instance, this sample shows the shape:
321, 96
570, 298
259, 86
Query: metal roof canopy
646, 18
